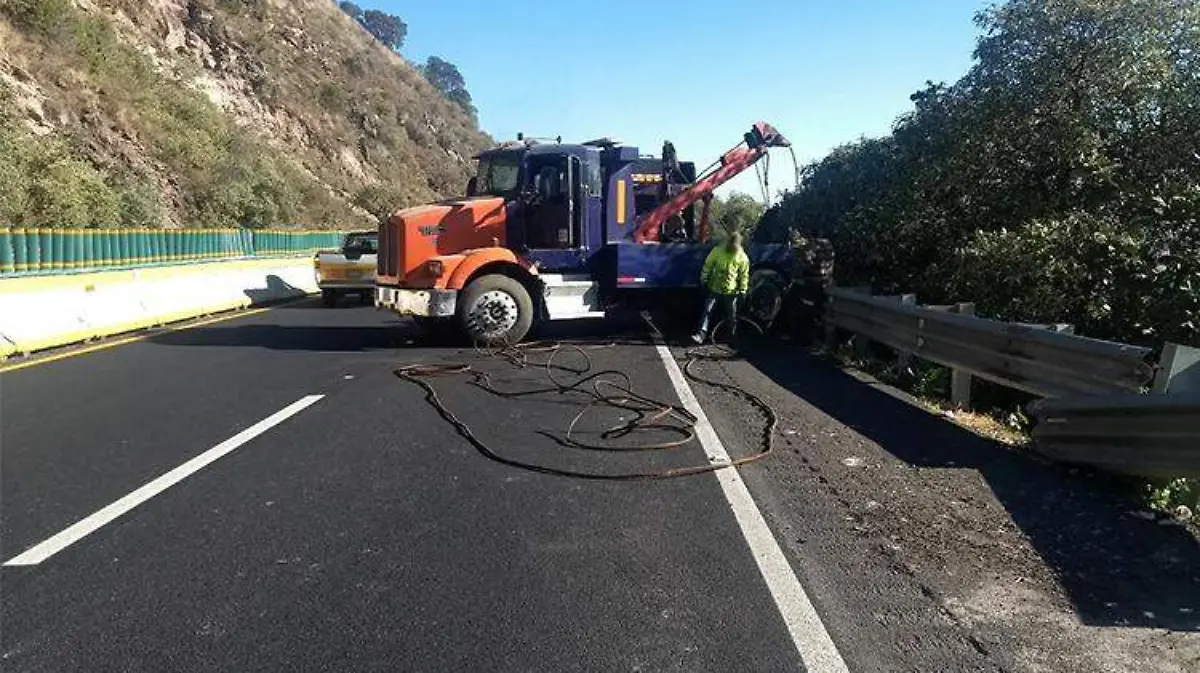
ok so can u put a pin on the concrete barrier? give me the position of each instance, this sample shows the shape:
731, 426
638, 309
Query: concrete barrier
38, 312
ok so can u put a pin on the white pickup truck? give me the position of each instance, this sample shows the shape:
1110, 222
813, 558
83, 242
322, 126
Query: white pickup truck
350, 270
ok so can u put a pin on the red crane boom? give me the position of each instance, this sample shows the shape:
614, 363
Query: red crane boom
753, 147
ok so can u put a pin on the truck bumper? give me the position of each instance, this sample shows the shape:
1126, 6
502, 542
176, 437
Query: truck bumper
431, 303
344, 285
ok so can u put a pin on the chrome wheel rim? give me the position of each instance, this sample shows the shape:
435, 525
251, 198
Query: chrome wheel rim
493, 315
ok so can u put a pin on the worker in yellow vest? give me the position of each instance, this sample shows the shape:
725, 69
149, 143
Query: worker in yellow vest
726, 278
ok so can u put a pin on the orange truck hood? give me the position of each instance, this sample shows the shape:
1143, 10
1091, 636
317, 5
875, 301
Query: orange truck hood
413, 236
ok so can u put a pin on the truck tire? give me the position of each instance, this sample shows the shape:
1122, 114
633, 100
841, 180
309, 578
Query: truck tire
330, 297
764, 301
495, 310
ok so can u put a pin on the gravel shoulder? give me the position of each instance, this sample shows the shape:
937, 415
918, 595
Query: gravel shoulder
927, 547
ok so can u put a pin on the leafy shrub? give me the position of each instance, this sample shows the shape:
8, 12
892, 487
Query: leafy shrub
140, 204
1166, 496
221, 172
332, 98
46, 17
380, 200
42, 183
1057, 181
68, 192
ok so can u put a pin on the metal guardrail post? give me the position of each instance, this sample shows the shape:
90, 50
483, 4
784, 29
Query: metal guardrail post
960, 379
1178, 371
862, 344
905, 300
831, 329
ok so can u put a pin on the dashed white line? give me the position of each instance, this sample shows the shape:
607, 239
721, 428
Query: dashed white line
812, 641
77, 531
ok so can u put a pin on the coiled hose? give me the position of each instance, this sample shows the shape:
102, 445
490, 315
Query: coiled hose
611, 388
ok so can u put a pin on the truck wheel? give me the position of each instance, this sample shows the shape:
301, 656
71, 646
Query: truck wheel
765, 298
495, 310
330, 297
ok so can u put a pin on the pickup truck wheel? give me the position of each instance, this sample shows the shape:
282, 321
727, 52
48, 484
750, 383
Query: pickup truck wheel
330, 297
495, 310
764, 301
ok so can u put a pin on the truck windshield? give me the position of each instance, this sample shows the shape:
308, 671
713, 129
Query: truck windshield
498, 175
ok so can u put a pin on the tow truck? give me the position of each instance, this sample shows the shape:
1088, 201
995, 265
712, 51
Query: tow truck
554, 231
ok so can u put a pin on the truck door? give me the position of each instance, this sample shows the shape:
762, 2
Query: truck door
554, 214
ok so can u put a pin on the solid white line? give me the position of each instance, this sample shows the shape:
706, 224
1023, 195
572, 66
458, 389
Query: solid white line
811, 639
69, 536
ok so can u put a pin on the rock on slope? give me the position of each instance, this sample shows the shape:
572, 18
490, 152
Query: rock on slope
214, 113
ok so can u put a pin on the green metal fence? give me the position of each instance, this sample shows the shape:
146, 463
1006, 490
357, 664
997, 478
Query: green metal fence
26, 250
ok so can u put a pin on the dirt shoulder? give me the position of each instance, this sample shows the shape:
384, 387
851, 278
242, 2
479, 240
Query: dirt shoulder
928, 547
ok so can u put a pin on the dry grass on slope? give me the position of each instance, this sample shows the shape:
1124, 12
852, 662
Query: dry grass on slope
215, 112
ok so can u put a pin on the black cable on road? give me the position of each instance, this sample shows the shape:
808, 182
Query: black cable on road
609, 388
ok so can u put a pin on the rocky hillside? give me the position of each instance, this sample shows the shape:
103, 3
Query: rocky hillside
214, 113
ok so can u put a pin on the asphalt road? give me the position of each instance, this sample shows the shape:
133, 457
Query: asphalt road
363, 533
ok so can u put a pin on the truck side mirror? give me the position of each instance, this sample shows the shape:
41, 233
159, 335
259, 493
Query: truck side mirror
472, 186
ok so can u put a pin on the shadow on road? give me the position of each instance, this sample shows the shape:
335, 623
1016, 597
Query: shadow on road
1117, 569
276, 290
330, 338
348, 328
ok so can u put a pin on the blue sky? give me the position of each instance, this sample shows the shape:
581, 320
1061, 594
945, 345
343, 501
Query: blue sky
697, 73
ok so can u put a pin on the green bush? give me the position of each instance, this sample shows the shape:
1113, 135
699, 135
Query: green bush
249, 190
380, 200
1113, 278
1166, 496
42, 183
46, 17
140, 205
1056, 181
332, 98
69, 192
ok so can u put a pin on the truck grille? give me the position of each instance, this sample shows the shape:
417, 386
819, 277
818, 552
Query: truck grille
388, 262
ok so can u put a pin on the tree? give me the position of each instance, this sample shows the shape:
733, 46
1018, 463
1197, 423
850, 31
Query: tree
739, 213
387, 28
446, 78
1057, 180
352, 10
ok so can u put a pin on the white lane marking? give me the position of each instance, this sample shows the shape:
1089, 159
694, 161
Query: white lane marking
811, 639
77, 531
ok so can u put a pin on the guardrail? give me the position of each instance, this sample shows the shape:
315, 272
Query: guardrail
1093, 414
1038, 360
1147, 435
40, 250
